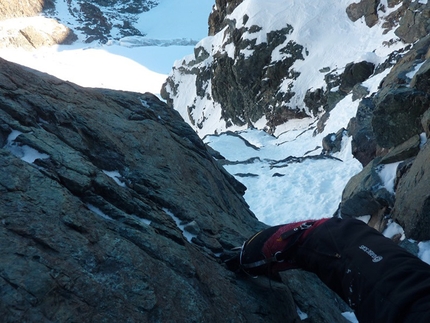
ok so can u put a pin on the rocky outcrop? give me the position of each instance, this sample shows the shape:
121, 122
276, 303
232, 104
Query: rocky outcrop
98, 21
414, 24
27, 36
252, 80
397, 115
102, 20
34, 32
391, 128
366, 9
221, 9
113, 210
409, 20
14, 9
412, 207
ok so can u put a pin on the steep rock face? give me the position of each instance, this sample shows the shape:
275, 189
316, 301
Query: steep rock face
99, 21
221, 9
112, 210
250, 94
389, 125
412, 207
404, 108
109, 243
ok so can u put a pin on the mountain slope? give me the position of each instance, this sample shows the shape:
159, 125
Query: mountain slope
271, 57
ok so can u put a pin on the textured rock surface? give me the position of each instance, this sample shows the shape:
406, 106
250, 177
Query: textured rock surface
29, 37
29, 8
221, 10
397, 115
365, 193
366, 9
388, 125
412, 207
112, 210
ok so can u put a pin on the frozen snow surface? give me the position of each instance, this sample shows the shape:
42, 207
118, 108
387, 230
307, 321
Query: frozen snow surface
284, 183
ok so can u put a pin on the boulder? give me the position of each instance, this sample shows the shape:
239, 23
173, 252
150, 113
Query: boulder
365, 193
366, 9
354, 74
397, 115
409, 149
333, 141
412, 206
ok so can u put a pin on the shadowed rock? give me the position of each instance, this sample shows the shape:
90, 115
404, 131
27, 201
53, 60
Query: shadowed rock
112, 210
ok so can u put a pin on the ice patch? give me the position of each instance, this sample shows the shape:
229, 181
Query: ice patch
392, 229
24, 152
364, 218
115, 175
424, 251
302, 315
350, 316
99, 212
387, 173
411, 74
187, 235
423, 139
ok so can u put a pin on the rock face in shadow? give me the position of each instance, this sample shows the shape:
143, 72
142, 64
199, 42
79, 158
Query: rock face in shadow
412, 207
112, 210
